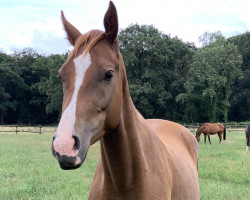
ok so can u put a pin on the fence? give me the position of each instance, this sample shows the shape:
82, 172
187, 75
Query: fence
27, 129
51, 129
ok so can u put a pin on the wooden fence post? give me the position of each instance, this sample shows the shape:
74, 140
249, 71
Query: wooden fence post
40, 129
16, 129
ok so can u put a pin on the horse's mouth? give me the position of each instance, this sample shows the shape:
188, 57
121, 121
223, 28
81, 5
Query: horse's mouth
68, 163
65, 166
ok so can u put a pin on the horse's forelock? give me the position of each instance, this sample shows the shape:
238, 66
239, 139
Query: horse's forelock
89, 39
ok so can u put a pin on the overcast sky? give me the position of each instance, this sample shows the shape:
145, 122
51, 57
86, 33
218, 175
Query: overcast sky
37, 23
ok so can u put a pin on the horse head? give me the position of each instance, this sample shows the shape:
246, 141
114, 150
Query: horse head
197, 138
92, 90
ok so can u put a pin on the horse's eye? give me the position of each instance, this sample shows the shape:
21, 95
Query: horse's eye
59, 76
108, 75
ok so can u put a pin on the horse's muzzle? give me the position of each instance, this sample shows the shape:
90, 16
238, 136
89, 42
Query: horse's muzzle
66, 161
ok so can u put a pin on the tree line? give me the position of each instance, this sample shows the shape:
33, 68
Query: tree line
168, 79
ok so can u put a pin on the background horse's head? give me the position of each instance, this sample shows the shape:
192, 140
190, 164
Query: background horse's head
92, 90
197, 138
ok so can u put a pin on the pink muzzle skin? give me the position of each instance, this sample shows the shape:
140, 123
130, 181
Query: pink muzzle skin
70, 156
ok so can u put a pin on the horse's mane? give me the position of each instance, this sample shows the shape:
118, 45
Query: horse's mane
199, 127
89, 39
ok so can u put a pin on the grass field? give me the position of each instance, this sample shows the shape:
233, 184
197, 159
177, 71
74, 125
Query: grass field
224, 169
28, 170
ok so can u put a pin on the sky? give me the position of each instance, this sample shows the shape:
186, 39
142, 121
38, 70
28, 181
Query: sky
37, 23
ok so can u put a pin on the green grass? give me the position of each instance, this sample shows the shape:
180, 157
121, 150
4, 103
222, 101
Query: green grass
224, 169
29, 171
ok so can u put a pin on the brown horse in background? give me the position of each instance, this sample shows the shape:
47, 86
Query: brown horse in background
210, 129
247, 130
140, 159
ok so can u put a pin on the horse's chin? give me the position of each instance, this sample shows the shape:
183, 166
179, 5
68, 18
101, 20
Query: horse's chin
75, 162
70, 167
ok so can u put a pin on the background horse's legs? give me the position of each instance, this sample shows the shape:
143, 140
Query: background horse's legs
220, 136
209, 138
248, 143
205, 138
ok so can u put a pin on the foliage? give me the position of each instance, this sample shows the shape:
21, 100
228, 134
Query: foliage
212, 39
215, 68
156, 68
52, 86
168, 79
240, 100
24, 87
9, 83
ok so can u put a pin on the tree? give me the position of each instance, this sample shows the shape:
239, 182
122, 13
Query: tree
9, 80
156, 67
4, 103
37, 102
168, 79
231, 70
52, 86
240, 100
212, 39
145, 55
214, 69
203, 80
22, 65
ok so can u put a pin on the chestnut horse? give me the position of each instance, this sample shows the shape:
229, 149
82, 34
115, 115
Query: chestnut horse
210, 129
140, 159
247, 130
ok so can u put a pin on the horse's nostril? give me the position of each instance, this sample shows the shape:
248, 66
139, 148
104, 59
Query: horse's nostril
77, 142
52, 147
54, 137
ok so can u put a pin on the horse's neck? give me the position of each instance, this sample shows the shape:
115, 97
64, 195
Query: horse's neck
198, 132
123, 150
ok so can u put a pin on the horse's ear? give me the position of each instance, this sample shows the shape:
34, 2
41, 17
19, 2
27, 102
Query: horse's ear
71, 31
111, 23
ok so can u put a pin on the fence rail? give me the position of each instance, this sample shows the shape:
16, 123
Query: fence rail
27, 129
51, 129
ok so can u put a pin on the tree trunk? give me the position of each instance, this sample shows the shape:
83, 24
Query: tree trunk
1, 118
213, 103
226, 104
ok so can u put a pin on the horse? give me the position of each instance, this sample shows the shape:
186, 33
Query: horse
247, 131
210, 129
140, 159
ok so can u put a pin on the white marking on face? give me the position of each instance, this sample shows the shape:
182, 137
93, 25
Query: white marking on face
81, 66
65, 128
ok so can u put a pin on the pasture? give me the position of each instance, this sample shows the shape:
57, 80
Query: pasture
29, 171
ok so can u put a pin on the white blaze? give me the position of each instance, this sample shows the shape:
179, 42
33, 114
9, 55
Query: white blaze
65, 128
